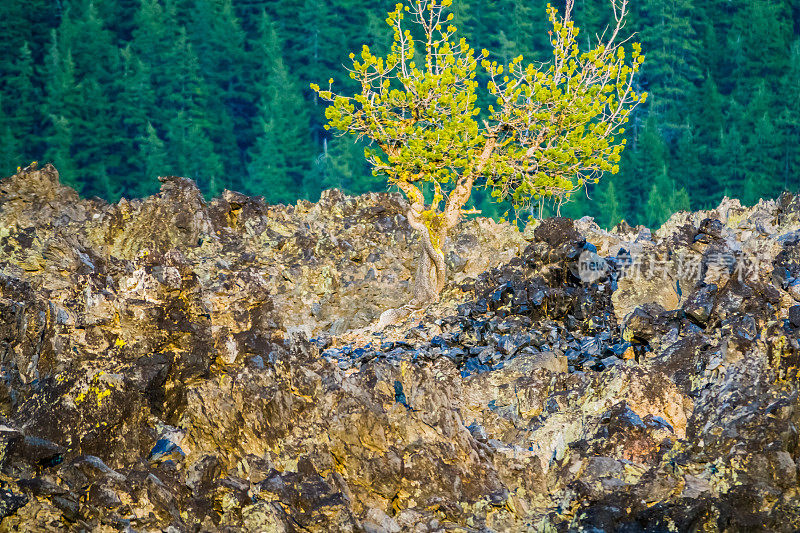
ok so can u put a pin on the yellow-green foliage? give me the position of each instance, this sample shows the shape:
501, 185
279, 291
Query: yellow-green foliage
423, 116
555, 124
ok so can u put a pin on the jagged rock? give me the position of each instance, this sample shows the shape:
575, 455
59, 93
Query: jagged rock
633, 291
700, 304
794, 315
177, 364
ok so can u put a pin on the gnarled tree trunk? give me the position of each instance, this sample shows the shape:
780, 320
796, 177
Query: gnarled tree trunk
431, 270
429, 278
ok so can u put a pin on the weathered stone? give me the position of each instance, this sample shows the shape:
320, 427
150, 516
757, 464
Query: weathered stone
794, 315
635, 291
700, 304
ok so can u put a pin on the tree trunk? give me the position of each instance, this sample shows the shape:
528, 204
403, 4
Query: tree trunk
429, 278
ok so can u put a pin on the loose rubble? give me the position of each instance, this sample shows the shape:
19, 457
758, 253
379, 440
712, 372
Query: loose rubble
172, 364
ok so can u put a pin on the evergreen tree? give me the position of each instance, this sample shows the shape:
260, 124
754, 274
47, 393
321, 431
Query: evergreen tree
63, 99
249, 13
153, 155
278, 161
92, 118
157, 44
14, 28
763, 178
760, 40
268, 168
732, 162
707, 134
685, 167
789, 122
191, 154
664, 200
594, 17
24, 21
190, 147
647, 160
340, 165
672, 49
120, 18
610, 213
136, 100
10, 156
60, 142
106, 187
104, 99
20, 100
218, 42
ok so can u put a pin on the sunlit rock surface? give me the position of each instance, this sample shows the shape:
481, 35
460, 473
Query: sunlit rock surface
182, 365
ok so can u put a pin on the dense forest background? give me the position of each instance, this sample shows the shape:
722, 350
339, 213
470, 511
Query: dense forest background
118, 92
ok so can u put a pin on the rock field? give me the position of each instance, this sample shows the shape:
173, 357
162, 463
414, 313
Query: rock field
171, 364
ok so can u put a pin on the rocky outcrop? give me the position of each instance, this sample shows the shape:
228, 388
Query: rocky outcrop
173, 364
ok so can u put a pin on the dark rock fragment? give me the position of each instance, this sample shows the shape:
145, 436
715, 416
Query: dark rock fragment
700, 303
794, 315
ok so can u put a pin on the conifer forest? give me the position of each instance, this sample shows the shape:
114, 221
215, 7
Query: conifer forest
117, 93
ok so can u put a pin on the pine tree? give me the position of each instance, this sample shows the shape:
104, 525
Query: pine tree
120, 16
789, 122
340, 165
189, 144
685, 166
647, 160
707, 134
62, 100
191, 154
672, 65
763, 152
268, 168
593, 17
249, 13
13, 24
218, 42
135, 102
760, 40
107, 187
60, 143
664, 200
278, 160
11, 156
22, 21
723, 77
732, 161
516, 33
92, 116
157, 44
153, 155
21, 109
610, 212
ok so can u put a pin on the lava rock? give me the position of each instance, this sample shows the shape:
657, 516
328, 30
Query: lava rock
700, 304
794, 315
156, 373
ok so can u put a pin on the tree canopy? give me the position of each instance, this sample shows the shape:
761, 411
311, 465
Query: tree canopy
554, 125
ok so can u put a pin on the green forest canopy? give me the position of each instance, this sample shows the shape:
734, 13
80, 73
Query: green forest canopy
117, 93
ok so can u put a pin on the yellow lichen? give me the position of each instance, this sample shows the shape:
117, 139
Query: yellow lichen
95, 388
